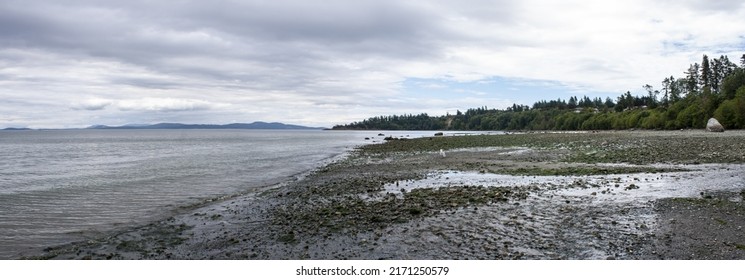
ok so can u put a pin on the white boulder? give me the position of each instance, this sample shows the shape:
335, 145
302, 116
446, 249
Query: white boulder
714, 126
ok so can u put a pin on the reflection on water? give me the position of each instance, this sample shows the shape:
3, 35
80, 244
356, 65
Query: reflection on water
622, 188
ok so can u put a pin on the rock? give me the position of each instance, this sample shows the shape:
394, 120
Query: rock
714, 126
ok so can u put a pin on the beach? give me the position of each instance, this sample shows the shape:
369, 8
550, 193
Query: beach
579, 195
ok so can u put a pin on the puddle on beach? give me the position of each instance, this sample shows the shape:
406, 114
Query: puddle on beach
565, 217
635, 187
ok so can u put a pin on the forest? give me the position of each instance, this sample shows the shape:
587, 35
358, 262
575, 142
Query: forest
713, 88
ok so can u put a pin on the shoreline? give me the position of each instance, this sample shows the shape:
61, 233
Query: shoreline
349, 209
86, 238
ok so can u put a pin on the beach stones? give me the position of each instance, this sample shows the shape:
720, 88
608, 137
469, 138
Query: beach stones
714, 126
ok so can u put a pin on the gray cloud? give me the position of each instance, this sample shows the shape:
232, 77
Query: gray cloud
712, 5
129, 61
92, 105
163, 105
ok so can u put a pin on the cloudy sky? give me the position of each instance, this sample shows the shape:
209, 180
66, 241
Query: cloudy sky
77, 63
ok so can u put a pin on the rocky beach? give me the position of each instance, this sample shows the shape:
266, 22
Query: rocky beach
579, 195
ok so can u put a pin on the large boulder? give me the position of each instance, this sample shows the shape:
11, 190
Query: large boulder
714, 126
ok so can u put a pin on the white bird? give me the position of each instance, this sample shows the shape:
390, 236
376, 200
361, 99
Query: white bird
442, 153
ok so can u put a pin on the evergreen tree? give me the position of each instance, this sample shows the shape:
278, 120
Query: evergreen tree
572, 102
676, 89
597, 103
609, 103
651, 100
667, 84
732, 83
692, 79
705, 73
715, 88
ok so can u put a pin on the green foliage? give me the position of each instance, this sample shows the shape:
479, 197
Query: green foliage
716, 87
598, 122
691, 116
727, 114
655, 120
732, 83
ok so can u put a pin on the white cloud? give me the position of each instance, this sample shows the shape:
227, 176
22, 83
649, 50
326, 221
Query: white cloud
92, 104
328, 62
163, 105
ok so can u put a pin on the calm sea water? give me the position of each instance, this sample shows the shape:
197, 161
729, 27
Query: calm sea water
60, 186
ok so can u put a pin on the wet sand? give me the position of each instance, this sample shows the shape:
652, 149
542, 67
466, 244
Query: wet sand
606, 195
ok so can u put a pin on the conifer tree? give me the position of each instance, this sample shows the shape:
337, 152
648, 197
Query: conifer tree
692, 79
705, 73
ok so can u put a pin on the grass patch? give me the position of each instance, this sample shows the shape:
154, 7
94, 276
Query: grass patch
740, 246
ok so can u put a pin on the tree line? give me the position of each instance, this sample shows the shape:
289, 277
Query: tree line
713, 88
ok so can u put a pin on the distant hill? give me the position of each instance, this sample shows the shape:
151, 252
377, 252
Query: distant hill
16, 128
254, 125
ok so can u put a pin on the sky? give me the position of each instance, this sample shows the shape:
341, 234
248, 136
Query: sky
70, 64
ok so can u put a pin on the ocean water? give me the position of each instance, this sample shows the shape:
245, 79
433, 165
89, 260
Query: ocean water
59, 186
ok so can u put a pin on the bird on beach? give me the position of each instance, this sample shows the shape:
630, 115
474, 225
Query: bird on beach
442, 153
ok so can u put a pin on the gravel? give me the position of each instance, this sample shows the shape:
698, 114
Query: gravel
563, 202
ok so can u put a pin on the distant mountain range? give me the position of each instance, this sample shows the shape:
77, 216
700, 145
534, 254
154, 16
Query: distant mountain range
16, 128
253, 125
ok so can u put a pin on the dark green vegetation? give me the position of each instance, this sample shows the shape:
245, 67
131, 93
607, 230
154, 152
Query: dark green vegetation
714, 88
